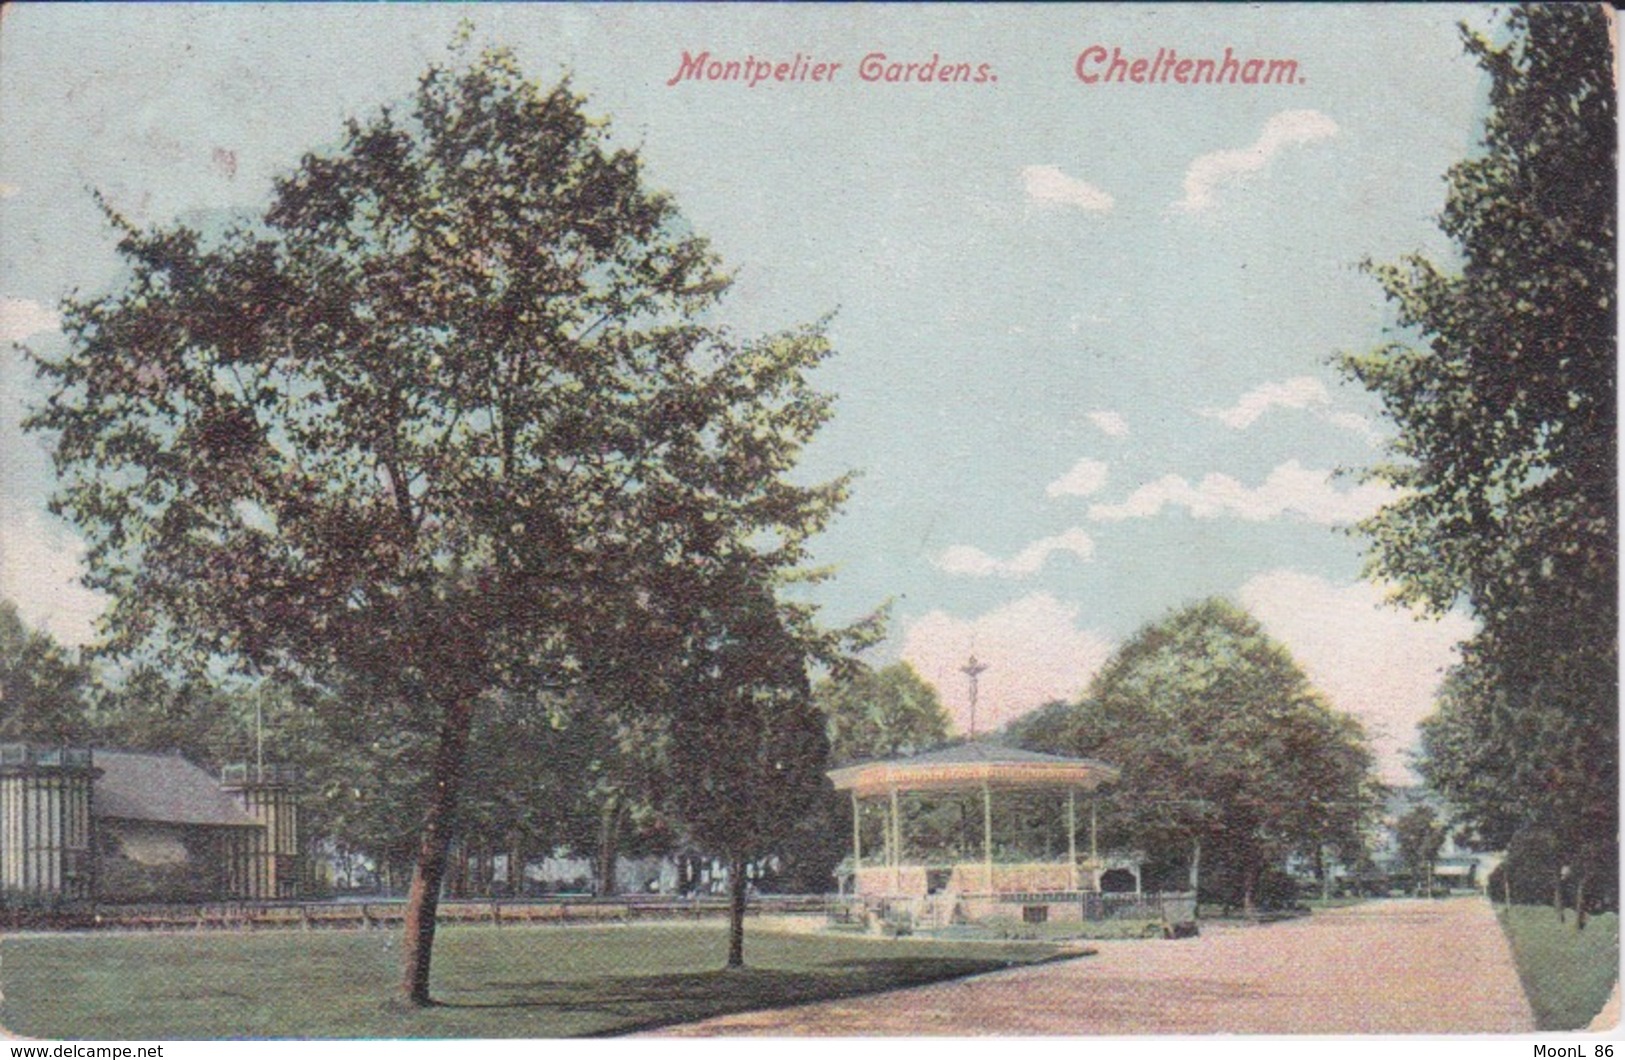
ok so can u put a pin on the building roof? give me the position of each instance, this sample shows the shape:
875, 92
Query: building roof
973, 765
164, 788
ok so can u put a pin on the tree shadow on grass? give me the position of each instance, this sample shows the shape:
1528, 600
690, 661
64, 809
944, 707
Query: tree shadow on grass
636, 1003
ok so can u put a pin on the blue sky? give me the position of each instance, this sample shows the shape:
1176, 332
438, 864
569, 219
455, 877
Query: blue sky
1084, 330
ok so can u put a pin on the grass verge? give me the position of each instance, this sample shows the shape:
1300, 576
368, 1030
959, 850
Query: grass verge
514, 982
1566, 974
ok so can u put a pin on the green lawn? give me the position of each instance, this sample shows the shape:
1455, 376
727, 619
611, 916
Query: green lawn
513, 982
1567, 974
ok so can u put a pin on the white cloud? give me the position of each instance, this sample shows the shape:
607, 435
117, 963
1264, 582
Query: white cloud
1109, 423
40, 564
1301, 392
1034, 649
1290, 489
1208, 171
1353, 421
21, 318
1049, 184
966, 559
1374, 661
1086, 477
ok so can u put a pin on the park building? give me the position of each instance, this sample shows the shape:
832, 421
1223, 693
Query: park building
82, 824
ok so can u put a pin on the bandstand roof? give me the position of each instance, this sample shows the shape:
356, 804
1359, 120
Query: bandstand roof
973, 766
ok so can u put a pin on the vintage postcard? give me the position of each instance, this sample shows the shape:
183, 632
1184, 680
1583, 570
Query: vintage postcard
587, 520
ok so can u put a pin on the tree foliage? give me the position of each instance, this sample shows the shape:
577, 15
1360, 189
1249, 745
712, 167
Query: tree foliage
1517, 766
448, 419
869, 714
1507, 411
1227, 753
881, 714
1421, 836
42, 685
750, 747
592, 778
145, 708
1506, 451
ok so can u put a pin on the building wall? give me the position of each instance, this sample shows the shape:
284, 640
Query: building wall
146, 842
150, 861
884, 880
971, 878
264, 862
45, 833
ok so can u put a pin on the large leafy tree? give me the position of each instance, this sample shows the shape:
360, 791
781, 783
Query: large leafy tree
1506, 448
588, 775
1230, 759
1421, 836
42, 684
869, 714
748, 742
363, 759
449, 418
1531, 776
881, 713
145, 708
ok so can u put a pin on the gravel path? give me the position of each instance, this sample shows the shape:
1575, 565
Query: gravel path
1389, 967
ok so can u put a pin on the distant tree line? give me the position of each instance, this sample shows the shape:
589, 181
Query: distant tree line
551, 773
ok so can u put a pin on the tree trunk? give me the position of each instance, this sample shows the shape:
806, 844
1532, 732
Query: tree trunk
516, 867
1557, 894
1506, 884
736, 911
1249, 884
1580, 901
609, 842
1196, 863
423, 900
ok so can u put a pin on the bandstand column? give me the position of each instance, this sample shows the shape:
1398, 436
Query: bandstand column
1072, 834
987, 834
857, 843
896, 846
1094, 831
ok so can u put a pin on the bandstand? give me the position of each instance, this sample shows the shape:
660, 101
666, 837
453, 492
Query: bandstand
975, 832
